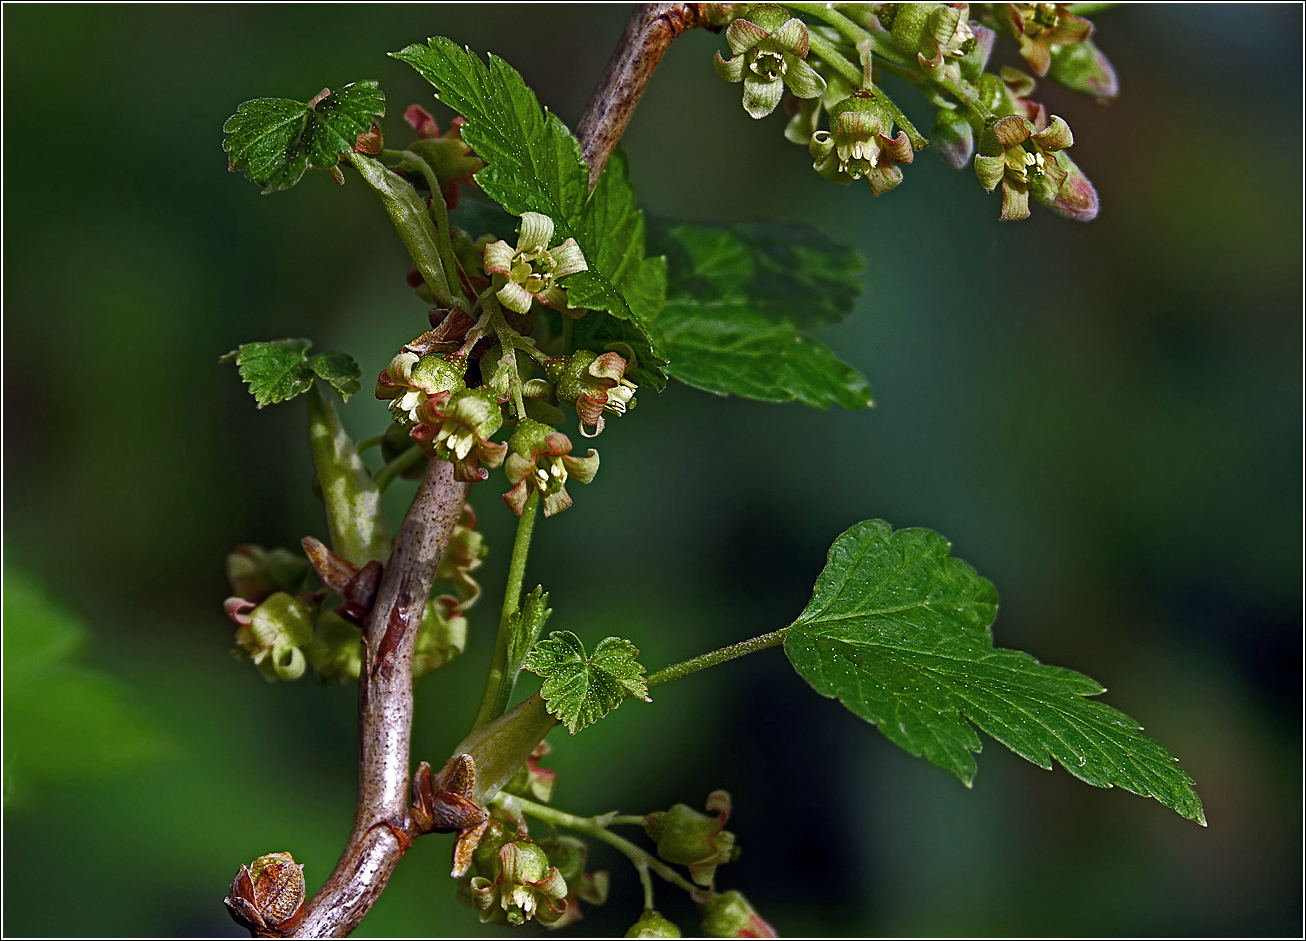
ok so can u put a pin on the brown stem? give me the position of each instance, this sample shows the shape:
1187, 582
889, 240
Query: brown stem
385, 710
649, 32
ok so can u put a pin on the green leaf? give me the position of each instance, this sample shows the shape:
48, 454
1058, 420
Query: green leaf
63, 720
899, 632
280, 370
580, 690
526, 623
274, 140
737, 298
533, 164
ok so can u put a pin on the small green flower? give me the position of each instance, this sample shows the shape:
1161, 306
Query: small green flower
1013, 153
525, 887
532, 269
410, 380
1039, 26
540, 459
858, 145
594, 383
274, 632
730, 915
768, 55
693, 839
456, 427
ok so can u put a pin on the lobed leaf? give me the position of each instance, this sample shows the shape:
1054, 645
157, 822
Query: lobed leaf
737, 298
280, 370
274, 140
898, 631
580, 690
534, 164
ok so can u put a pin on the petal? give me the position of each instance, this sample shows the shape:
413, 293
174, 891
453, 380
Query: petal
582, 468
1011, 131
802, 79
1069, 30
1057, 136
609, 366
552, 296
514, 297
516, 497
732, 69
743, 35
792, 37
556, 502
535, 232
899, 148
990, 170
1015, 202
490, 453
883, 179
760, 98
498, 257
569, 259
821, 145
518, 468
1037, 54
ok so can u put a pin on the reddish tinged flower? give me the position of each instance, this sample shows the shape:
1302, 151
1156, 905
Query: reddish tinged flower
693, 839
594, 383
456, 427
525, 887
410, 380
858, 144
1037, 26
531, 271
540, 459
1012, 152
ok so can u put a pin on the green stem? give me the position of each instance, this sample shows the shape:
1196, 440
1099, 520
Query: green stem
387, 474
677, 670
439, 211
370, 443
634, 820
503, 675
647, 883
407, 211
591, 827
832, 57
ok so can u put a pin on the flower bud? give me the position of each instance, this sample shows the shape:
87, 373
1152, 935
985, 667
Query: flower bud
689, 838
336, 652
729, 915
441, 636
267, 896
651, 924
954, 137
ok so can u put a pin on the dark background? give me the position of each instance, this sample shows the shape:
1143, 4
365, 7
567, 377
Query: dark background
1105, 419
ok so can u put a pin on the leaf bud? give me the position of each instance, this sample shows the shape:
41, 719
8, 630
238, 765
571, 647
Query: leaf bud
730, 915
690, 838
652, 924
267, 896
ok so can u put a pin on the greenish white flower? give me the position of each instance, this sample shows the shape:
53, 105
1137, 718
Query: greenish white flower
532, 269
768, 56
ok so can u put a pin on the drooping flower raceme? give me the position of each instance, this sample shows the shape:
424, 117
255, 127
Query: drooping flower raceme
531, 270
768, 55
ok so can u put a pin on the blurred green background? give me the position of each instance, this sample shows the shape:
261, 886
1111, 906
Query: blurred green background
1105, 419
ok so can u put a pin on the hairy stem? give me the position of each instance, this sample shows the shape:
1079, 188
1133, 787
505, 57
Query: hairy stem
385, 709
649, 33
498, 685
677, 670
592, 827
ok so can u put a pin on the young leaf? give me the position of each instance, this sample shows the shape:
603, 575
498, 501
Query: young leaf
280, 370
580, 690
527, 623
533, 164
274, 140
736, 300
899, 632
